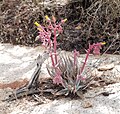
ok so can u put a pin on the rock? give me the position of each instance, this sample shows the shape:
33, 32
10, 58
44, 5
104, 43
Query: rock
106, 67
24, 69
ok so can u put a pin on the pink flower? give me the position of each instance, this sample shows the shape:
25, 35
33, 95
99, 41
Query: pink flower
59, 28
96, 48
57, 79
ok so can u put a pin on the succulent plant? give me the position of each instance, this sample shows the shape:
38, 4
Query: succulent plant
68, 72
65, 70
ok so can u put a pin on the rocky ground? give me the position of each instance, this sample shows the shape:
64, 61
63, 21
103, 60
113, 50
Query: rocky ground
17, 63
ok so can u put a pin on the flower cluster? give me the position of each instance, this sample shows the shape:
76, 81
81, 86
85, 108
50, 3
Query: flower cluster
45, 34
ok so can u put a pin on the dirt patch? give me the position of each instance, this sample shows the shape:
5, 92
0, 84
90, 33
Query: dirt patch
14, 85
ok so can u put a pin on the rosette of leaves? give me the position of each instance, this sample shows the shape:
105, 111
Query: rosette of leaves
68, 71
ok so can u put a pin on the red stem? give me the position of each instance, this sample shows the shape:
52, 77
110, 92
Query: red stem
83, 66
55, 45
53, 63
86, 58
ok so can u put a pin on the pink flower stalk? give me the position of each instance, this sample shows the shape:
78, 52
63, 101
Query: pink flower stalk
52, 59
54, 27
55, 45
96, 50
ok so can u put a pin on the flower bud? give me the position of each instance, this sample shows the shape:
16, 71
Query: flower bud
54, 19
64, 20
37, 24
103, 43
47, 18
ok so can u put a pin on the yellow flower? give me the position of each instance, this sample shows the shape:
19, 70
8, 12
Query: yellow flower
103, 43
65, 20
47, 18
37, 24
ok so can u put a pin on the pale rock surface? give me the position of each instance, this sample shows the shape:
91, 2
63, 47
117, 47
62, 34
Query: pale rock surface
18, 62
